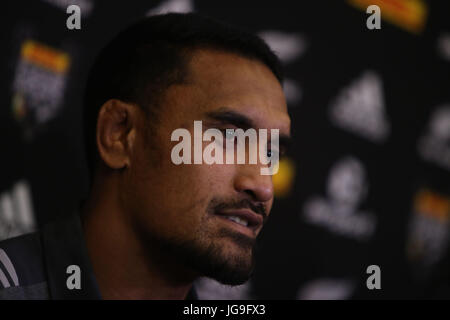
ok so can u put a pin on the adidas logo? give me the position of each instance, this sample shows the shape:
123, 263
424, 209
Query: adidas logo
8, 274
16, 212
434, 145
288, 47
443, 46
360, 108
180, 6
327, 289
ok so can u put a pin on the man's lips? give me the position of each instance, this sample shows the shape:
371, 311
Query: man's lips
254, 221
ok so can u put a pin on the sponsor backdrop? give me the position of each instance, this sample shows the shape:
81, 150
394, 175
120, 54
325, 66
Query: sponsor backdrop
367, 181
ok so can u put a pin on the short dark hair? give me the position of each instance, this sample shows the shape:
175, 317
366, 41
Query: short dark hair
146, 58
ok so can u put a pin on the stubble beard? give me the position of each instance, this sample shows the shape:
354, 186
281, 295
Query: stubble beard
209, 255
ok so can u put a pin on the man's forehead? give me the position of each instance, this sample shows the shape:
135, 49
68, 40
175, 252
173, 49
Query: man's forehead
225, 73
220, 82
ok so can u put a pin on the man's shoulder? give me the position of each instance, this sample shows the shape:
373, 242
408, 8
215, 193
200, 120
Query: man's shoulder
22, 273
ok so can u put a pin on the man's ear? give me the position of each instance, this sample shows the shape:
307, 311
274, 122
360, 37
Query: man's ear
116, 131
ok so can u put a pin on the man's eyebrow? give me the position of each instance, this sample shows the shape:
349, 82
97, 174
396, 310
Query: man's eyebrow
227, 116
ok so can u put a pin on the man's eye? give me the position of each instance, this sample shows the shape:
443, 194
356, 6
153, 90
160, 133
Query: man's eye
229, 134
271, 152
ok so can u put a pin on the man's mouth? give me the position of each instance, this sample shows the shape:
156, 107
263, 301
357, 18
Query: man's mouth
243, 220
236, 219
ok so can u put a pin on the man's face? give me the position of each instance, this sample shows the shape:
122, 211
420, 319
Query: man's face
184, 207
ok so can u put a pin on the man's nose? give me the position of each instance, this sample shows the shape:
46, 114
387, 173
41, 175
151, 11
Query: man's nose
250, 180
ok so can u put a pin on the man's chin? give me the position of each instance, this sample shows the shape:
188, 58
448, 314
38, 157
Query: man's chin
227, 257
230, 266
227, 263
230, 260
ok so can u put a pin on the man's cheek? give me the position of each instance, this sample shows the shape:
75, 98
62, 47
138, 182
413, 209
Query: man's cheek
221, 173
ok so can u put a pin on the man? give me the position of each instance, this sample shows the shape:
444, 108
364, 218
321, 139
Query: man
150, 227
